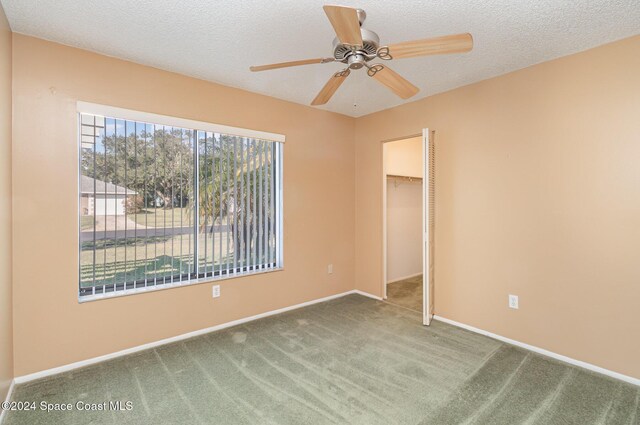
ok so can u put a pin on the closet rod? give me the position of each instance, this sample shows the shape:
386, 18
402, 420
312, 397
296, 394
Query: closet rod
405, 178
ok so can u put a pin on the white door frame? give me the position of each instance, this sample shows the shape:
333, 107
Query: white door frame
426, 219
426, 306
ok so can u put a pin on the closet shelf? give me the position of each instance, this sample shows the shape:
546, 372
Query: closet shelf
404, 178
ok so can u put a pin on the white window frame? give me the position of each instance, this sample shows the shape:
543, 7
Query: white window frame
147, 117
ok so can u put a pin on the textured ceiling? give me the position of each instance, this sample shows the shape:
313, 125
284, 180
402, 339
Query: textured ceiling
218, 40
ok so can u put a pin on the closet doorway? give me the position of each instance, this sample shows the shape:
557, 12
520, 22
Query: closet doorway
407, 221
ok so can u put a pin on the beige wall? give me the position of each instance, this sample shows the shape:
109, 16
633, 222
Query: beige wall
538, 194
6, 321
51, 328
404, 157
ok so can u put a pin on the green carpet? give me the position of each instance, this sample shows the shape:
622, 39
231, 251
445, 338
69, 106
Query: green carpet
352, 360
406, 293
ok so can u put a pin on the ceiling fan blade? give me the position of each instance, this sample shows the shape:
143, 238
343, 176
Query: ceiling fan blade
457, 43
345, 23
330, 88
288, 64
394, 81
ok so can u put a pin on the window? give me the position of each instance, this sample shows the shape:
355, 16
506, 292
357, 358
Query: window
164, 204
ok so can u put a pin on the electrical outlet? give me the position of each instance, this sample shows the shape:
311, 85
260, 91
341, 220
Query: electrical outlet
216, 291
513, 301
330, 269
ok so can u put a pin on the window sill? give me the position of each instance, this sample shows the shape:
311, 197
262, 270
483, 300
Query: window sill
124, 293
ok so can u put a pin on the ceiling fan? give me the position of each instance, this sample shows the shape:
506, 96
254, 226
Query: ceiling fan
356, 47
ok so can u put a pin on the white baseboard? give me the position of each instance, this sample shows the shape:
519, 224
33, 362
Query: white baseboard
94, 360
366, 294
574, 362
404, 278
8, 398
83, 363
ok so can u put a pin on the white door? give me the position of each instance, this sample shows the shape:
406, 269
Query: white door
428, 189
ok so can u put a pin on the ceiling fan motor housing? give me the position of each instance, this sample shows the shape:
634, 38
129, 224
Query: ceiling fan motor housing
344, 52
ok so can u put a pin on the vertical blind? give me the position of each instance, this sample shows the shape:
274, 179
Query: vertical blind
164, 205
